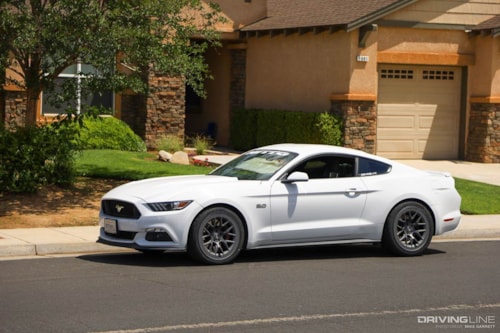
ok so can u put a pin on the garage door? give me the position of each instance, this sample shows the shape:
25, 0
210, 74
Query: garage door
418, 112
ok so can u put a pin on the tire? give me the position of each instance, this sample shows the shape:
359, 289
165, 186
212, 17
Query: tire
216, 237
408, 230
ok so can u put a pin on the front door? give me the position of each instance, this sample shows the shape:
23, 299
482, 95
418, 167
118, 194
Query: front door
326, 207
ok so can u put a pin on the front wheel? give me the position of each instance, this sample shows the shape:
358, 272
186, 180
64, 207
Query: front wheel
216, 237
408, 230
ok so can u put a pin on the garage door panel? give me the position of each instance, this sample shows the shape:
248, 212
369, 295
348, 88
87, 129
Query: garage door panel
425, 122
422, 146
396, 122
394, 146
418, 116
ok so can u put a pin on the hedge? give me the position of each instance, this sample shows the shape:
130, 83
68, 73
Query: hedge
252, 128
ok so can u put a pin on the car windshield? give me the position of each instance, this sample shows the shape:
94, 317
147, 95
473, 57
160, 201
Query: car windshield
255, 165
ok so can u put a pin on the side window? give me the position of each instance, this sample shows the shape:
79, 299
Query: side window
328, 167
75, 74
368, 167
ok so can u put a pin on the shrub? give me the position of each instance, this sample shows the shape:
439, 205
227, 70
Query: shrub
243, 129
35, 156
330, 129
300, 127
201, 144
170, 143
109, 133
253, 128
270, 127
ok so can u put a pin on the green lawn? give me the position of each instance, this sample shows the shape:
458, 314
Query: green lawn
477, 198
115, 164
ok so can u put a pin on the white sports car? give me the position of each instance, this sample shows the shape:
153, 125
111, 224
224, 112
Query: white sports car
283, 195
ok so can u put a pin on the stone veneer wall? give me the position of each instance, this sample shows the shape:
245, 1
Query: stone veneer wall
133, 112
360, 123
14, 108
238, 79
483, 143
165, 108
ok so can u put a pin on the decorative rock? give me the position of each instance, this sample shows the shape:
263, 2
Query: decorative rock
164, 156
180, 157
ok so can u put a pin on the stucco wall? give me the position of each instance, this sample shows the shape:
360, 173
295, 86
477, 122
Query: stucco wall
485, 74
364, 73
429, 41
495, 82
469, 12
297, 72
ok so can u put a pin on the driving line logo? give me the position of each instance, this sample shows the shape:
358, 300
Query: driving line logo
459, 321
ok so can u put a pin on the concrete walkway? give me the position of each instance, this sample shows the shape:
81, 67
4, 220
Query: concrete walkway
480, 172
16, 243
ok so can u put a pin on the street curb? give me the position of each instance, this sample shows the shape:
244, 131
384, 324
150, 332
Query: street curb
47, 249
22, 250
470, 234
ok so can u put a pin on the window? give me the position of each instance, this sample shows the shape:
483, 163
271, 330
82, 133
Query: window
438, 75
368, 167
328, 167
104, 99
255, 165
398, 74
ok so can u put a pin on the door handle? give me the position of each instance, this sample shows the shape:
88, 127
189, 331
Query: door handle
352, 191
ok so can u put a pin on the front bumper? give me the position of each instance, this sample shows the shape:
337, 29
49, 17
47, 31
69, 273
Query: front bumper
147, 230
140, 241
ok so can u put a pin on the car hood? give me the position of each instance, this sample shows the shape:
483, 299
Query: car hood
166, 187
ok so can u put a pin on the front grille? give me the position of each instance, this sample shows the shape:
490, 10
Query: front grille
129, 235
117, 208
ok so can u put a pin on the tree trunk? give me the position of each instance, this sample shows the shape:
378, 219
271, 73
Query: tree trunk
32, 96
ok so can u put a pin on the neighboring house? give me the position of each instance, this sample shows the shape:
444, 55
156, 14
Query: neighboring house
412, 78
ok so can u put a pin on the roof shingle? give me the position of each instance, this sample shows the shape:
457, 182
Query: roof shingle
286, 14
492, 23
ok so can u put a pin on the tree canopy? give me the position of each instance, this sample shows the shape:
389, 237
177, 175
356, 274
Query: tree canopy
120, 39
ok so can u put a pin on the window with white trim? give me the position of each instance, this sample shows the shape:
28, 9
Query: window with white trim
72, 72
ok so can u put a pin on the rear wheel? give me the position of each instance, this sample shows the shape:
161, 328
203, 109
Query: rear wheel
216, 237
408, 230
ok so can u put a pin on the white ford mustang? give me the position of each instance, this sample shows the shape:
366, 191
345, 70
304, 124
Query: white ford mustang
283, 195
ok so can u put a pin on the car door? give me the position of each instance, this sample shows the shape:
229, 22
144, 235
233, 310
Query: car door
326, 207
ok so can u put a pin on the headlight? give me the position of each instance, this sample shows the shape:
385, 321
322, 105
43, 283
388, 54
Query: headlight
168, 206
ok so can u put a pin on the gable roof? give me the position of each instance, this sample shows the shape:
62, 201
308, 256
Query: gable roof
338, 14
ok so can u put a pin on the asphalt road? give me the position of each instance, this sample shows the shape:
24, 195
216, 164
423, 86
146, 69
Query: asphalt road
355, 288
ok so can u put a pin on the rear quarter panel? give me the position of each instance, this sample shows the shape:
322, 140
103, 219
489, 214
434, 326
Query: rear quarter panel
388, 190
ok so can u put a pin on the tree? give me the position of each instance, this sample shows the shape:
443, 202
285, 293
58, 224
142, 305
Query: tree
41, 38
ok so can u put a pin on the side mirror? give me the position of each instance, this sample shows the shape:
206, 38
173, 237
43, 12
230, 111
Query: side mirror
295, 177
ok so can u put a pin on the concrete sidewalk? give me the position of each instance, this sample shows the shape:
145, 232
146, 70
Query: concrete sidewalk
68, 240
50, 241
480, 172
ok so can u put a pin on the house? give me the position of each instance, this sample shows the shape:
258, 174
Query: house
413, 79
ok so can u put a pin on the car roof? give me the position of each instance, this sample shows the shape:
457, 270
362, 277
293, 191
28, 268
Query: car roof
305, 149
